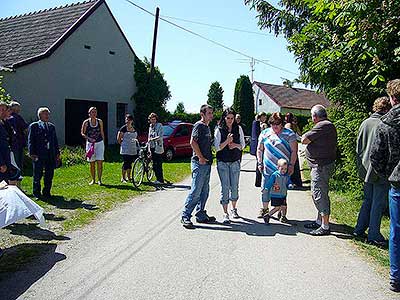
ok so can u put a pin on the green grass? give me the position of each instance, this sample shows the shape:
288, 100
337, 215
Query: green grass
344, 210
74, 204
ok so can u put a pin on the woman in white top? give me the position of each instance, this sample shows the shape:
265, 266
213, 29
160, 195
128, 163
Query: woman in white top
127, 138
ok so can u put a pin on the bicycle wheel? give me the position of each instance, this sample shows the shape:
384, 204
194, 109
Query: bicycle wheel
150, 170
138, 172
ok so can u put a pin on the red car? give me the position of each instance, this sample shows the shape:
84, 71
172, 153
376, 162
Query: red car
176, 139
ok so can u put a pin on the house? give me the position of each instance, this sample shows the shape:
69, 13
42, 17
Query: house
279, 98
69, 58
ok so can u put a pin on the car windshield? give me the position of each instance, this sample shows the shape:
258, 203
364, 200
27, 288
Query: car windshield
168, 129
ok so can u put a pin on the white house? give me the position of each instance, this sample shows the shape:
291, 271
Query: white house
279, 98
68, 59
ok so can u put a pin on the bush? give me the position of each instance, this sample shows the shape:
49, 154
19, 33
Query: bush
72, 155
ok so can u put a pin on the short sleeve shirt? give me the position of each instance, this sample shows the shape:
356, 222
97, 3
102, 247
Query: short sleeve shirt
276, 146
129, 141
201, 133
322, 149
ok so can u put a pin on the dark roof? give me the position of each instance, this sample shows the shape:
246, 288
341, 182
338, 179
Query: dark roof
288, 97
28, 37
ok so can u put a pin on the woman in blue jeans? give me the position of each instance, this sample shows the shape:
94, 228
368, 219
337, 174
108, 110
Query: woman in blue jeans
229, 142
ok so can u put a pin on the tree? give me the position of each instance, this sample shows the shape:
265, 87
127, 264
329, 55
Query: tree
4, 97
347, 49
151, 95
180, 108
243, 100
215, 95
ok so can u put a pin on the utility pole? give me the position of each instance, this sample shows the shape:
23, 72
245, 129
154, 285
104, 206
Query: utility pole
153, 54
252, 64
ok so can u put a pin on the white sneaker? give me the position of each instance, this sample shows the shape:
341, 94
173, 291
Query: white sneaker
235, 214
225, 219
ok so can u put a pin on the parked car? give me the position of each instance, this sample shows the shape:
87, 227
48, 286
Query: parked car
176, 139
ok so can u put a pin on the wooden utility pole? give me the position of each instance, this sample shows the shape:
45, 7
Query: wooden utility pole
153, 55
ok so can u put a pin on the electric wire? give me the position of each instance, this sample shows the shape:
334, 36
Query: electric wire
212, 41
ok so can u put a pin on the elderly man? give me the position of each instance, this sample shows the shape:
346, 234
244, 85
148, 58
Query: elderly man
20, 127
5, 160
321, 143
375, 187
44, 152
385, 160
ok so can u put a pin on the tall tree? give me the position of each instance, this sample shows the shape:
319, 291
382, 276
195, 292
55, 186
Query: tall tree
243, 100
215, 95
151, 95
180, 108
348, 49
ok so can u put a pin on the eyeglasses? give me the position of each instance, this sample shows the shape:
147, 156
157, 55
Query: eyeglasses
276, 123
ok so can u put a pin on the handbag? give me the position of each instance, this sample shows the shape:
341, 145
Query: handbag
90, 151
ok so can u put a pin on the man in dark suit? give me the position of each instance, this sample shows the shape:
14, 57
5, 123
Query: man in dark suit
44, 152
5, 162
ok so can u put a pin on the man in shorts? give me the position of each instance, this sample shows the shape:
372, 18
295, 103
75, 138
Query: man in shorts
321, 143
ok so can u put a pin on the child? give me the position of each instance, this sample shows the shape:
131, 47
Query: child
277, 185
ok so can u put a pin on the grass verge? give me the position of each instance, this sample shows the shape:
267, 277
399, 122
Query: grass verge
344, 210
73, 205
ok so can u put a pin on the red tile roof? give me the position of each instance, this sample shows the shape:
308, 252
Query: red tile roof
296, 98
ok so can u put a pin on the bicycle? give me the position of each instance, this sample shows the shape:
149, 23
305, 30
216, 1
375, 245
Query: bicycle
143, 164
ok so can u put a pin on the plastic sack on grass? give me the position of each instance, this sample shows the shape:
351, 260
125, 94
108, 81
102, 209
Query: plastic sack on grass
15, 206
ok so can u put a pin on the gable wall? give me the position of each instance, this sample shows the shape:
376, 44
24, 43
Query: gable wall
268, 105
73, 72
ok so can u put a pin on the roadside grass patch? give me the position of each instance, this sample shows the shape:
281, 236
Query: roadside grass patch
344, 210
74, 204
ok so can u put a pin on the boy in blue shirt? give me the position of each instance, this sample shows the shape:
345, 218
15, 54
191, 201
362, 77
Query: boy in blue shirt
278, 184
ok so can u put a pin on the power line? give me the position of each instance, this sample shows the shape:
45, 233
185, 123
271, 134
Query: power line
217, 26
212, 41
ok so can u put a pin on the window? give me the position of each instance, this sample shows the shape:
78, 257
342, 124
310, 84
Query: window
111, 52
87, 47
182, 131
259, 101
121, 111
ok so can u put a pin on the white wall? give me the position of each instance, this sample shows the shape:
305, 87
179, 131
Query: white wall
268, 105
73, 72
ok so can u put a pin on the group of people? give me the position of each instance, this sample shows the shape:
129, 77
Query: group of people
40, 138
276, 152
275, 146
378, 161
127, 137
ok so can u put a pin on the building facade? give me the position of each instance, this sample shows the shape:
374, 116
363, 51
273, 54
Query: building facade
90, 63
279, 98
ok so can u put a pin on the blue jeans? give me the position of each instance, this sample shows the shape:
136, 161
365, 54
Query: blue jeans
229, 173
394, 240
264, 192
198, 194
370, 215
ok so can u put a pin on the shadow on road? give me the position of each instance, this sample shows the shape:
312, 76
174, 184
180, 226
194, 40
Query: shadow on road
259, 228
16, 276
34, 232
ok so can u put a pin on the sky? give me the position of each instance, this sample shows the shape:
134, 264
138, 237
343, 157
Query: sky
189, 63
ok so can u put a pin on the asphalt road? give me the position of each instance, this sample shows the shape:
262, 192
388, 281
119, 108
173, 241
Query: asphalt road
141, 251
